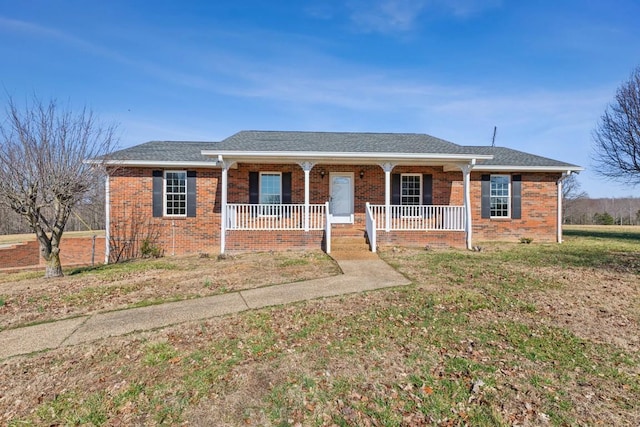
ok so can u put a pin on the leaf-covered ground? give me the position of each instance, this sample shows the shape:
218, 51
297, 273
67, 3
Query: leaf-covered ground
512, 335
29, 298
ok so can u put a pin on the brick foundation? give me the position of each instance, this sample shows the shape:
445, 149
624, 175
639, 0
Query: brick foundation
443, 239
244, 241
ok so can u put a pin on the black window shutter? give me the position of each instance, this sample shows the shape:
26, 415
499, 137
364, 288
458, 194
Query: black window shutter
158, 183
486, 196
191, 193
516, 196
286, 188
395, 189
254, 188
427, 189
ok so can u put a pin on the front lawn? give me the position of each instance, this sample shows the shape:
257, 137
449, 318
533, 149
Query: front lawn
512, 335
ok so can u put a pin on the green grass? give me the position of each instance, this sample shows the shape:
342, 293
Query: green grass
90, 295
120, 269
293, 261
16, 277
158, 353
604, 233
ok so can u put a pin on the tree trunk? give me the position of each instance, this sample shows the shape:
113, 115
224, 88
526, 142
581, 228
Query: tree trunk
53, 266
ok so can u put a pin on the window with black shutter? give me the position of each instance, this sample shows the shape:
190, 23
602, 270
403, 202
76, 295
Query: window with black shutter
174, 193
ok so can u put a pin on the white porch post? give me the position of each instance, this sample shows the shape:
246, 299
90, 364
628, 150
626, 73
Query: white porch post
306, 167
223, 203
387, 167
466, 175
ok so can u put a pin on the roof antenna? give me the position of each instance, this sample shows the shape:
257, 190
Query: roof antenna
493, 140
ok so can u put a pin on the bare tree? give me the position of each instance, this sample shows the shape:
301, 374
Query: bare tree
42, 171
617, 135
571, 193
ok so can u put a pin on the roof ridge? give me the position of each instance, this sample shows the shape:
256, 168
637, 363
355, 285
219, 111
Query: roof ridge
336, 132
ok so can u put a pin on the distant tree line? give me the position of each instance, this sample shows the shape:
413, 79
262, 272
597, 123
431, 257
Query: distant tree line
87, 215
606, 211
579, 208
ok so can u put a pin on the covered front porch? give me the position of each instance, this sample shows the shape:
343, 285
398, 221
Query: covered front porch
243, 217
389, 200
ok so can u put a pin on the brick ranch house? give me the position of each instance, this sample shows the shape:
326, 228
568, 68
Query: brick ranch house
266, 190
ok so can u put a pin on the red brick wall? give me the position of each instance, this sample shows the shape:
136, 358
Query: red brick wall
77, 251
131, 213
539, 211
73, 251
131, 202
447, 186
20, 255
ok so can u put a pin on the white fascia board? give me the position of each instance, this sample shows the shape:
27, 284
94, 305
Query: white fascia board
154, 163
489, 168
342, 156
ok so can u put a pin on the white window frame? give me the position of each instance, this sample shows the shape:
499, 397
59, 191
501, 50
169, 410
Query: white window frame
492, 196
264, 211
411, 210
165, 194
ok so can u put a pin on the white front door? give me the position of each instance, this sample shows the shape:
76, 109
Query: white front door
341, 201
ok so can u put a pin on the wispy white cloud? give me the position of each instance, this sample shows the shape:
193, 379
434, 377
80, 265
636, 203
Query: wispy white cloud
51, 34
17, 26
386, 16
467, 8
48, 34
398, 16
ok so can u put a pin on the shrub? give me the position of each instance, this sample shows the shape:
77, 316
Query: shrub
148, 249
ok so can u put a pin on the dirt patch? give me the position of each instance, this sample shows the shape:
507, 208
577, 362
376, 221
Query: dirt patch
597, 306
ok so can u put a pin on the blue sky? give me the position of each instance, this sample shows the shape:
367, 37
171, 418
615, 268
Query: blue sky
541, 71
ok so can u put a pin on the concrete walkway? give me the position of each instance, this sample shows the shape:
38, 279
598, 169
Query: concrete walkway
358, 276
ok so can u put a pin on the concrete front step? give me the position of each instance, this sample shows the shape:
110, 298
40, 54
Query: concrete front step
352, 255
347, 231
349, 242
350, 248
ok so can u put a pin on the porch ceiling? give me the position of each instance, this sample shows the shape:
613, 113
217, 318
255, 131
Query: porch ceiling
427, 159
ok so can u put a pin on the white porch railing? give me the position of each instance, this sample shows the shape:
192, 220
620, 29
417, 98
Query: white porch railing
244, 216
370, 224
327, 229
419, 217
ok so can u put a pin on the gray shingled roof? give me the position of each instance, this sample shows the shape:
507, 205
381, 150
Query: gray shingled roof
166, 151
329, 142
337, 142
503, 156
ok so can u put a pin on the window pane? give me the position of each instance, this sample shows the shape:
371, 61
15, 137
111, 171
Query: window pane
176, 193
270, 188
410, 186
500, 197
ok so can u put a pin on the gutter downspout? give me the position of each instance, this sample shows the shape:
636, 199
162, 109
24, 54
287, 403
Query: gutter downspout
564, 176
